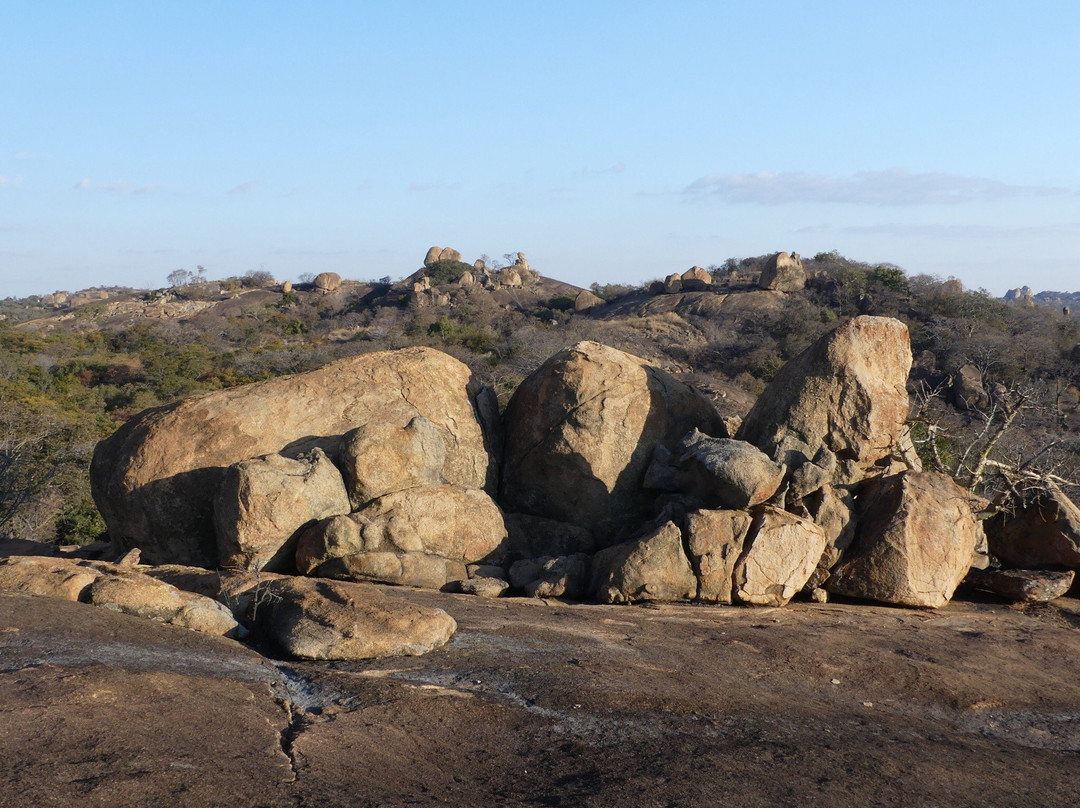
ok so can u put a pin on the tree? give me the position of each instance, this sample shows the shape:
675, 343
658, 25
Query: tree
180, 277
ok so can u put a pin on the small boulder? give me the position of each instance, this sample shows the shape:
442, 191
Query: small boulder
418, 537
673, 284
715, 541
723, 473
422, 570
696, 279
1042, 533
587, 300
265, 502
552, 577
782, 551
913, 544
1023, 586
651, 568
138, 595
315, 619
967, 389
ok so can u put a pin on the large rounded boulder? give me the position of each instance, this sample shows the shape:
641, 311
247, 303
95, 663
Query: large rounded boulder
581, 431
155, 479
846, 392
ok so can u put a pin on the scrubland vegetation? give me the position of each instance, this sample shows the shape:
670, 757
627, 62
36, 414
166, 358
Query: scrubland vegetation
69, 377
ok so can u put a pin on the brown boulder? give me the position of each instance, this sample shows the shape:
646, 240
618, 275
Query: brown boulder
913, 544
264, 502
696, 279
1023, 586
715, 542
432, 256
380, 458
1042, 533
967, 389
143, 596
846, 392
46, 577
587, 300
782, 551
722, 473
581, 430
449, 254
651, 568
314, 619
422, 570
155, 478
327, 282
783, 273
407, 537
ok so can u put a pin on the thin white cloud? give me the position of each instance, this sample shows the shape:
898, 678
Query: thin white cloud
119, 187
3, 180
244, 188
125, 188
895, 187
617, 168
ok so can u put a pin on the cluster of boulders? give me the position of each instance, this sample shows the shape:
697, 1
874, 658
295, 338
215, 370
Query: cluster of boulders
605, 478
695, 279
515, 276
67, 300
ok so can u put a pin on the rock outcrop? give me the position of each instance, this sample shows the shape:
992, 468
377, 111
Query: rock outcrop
154, 480
581, 430
783, 273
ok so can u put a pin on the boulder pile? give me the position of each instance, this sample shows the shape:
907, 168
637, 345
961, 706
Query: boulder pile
605, 478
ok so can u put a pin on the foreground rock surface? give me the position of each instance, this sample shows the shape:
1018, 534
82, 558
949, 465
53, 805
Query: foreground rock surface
155, 478
608, 705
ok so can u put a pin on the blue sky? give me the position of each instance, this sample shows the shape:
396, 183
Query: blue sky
611, 142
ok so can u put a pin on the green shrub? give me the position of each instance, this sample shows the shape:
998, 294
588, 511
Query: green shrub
79, 523
446, 271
